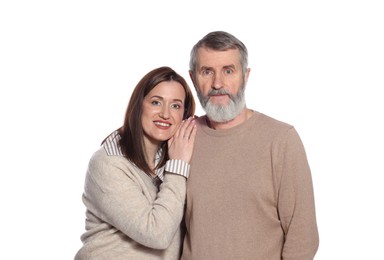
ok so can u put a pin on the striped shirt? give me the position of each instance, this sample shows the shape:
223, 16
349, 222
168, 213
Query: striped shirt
112, 148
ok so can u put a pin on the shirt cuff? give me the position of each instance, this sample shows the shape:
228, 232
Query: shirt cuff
178, 167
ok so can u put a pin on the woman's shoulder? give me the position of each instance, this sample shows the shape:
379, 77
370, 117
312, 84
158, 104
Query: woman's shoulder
102, 158
104, 169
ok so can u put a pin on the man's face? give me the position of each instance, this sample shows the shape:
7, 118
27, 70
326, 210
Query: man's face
220, 83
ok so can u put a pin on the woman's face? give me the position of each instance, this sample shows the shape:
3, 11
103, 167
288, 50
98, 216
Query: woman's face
163, 110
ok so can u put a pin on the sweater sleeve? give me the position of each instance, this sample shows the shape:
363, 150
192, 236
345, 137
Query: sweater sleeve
296, 204
116, 193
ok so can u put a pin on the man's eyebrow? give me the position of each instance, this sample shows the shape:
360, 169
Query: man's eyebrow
205, 68
231, 66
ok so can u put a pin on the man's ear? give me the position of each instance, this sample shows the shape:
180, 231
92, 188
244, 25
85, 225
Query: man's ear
191, 76
247, 74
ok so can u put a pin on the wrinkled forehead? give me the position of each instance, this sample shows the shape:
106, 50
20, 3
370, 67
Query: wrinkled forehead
206, 57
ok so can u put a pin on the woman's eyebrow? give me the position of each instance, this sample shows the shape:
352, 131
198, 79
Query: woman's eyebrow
162, 98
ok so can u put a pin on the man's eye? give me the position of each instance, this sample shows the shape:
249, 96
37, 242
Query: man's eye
207, 72
228, 71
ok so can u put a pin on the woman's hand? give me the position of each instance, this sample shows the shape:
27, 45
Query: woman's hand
180, 146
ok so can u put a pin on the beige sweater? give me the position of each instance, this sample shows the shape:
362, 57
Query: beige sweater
250, 194
126, 217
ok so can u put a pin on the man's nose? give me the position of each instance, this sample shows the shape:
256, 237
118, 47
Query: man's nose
217, 82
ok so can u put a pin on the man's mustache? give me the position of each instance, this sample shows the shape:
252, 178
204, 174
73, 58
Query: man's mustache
219, 91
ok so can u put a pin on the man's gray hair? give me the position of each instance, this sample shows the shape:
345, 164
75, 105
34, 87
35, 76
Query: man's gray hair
220, 41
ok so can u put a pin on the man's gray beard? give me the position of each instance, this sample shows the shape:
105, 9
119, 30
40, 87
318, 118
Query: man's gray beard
223, 113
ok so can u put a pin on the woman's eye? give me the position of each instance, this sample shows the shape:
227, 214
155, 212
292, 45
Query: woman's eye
177, 106
156, 103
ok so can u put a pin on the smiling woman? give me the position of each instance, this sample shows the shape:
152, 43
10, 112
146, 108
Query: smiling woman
136, 182
163, 110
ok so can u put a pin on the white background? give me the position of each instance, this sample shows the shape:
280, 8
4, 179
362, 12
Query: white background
67, 69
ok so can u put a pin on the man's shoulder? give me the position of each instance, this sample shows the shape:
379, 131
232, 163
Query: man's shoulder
272, 121
201, 119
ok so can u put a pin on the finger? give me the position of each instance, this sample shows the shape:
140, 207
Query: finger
177, 133
193, 133
190, 129
170, 142
184, 126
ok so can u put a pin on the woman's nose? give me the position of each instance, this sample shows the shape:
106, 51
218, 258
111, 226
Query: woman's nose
164, 113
